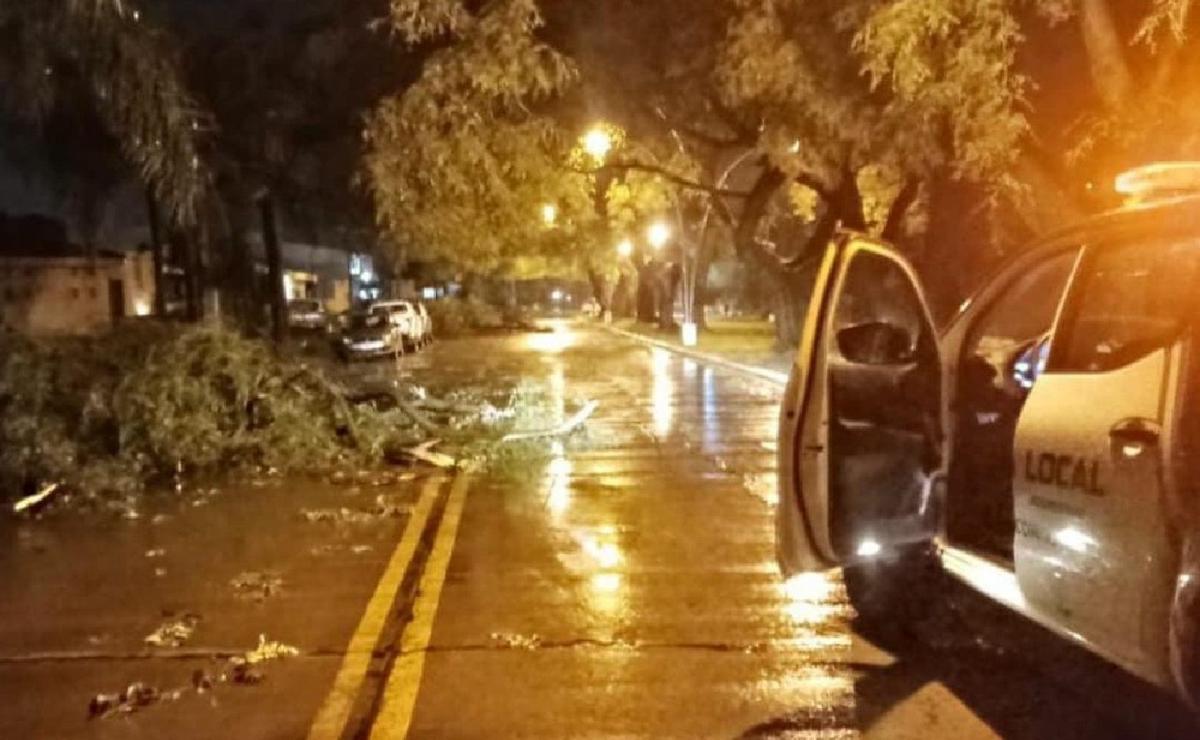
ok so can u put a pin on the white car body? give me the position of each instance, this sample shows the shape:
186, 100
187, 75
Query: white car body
1065, 493
426, 323
405, 316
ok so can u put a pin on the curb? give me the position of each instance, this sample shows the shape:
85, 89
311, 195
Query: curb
761, 373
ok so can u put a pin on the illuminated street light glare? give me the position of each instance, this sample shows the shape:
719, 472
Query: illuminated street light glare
625, 248
658, 234
549, 214
556, 296
597, 143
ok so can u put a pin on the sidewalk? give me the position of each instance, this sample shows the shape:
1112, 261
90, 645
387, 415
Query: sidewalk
747, 347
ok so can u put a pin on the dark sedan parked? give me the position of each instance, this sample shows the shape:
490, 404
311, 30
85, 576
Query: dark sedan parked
367, 335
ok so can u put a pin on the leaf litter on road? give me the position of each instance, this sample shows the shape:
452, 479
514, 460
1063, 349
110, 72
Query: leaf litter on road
257, 585
173, 633
243, 670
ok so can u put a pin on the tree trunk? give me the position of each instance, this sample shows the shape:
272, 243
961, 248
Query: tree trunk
667, 288
645, 301
599, 289
1106, 52
622, 303
193, 282
156, 252
793, 294
704, 261
957, 240
275, 294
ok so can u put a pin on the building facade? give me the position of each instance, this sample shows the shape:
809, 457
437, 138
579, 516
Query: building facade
67, 292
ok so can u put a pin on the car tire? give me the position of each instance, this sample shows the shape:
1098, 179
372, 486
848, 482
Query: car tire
894, 594
1184, 627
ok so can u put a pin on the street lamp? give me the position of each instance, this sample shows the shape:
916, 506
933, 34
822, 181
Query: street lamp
597, 143
549, 214
658, 234
625, 249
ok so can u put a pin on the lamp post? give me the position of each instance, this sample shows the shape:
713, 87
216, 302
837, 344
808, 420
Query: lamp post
597, 143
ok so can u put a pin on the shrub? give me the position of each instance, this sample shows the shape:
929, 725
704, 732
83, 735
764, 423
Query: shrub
454, 317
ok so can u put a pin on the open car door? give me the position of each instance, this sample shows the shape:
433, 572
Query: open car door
860, 429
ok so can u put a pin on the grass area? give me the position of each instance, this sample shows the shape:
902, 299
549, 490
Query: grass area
723, 337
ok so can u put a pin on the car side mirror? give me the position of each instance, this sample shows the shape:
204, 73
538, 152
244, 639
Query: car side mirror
876, 343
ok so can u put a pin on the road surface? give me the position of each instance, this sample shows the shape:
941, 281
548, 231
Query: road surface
624, 587
628, 589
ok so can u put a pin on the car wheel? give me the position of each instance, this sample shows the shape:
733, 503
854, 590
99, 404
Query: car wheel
894, 593
1184, 635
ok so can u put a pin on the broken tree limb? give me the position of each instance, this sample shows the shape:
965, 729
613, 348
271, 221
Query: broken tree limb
38, 498
424, 453
568, 426
417, 416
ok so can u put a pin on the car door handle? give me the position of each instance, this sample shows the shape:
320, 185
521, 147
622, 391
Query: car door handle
1131, 437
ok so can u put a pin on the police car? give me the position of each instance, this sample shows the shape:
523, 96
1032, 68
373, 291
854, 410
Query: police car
1042, 448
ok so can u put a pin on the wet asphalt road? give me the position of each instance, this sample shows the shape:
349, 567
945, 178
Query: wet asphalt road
625, 587
628, 589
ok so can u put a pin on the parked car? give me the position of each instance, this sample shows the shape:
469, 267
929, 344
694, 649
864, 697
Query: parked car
406, 319
1044, 448
426, 324
367, 335
307, 314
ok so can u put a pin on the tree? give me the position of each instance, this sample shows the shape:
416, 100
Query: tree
923, 121
56, 52
288, 85
479, 160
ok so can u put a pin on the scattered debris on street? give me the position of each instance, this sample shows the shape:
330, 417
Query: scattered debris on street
174, 633
257, 585
30, 503
567, 427
242, 670
133, 698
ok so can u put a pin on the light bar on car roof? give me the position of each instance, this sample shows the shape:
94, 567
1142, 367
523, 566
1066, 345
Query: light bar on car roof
1161, 180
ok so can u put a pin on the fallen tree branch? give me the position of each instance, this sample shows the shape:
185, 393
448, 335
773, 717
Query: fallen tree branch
561, 430
424, 453
31, 501
421, 420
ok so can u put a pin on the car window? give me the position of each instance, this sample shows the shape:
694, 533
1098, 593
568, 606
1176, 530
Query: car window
1133, 299
1012, 328
877, 289
365, 321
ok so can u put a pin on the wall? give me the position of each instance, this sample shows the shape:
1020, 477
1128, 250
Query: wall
71, 295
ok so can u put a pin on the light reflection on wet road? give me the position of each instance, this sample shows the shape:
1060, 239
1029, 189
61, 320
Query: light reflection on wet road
628, 589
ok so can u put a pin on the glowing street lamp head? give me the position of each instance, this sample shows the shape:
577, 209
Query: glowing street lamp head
597, 143
658, 234
625, 249
549, 214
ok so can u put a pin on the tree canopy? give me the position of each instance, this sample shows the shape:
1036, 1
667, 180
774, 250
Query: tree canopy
56, 52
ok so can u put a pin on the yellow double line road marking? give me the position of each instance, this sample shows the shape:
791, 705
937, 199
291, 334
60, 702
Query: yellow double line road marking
400, 693
334, 714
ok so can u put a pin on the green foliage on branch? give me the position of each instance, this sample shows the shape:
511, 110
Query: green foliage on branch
463, 162
454, 317
103, 415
